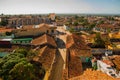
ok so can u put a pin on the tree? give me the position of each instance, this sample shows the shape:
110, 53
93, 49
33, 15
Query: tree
85, 22
23, 71
101, 22
76, 16
31, 54
16, 66
22, 51
72, 30
91, 26
8, 33
75, 23
99, 42
4, 22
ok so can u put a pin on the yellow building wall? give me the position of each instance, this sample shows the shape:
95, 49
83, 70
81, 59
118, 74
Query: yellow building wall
114, 35
47, 74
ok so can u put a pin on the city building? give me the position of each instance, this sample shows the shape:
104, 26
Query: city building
44, 40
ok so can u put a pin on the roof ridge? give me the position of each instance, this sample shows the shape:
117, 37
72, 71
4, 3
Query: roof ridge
43, 50
46, 38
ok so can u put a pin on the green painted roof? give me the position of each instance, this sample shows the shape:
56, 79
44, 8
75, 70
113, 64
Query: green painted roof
22, 39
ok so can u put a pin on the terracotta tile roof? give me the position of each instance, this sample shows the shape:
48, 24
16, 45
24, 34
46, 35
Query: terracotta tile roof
30, 31
74, 67
44, 25
78, 52
104, 36
45, 39
114, 35
28, 27
92, 36
116, 61
46, 56
26, 32
106, 25
108, 62
84, 36
75, 41
3, 30
94, 75
65, 74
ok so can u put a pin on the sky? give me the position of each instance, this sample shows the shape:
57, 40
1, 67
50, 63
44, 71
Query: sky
59, 6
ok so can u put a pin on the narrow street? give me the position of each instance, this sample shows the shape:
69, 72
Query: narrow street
56, 73
62, 43
60, 59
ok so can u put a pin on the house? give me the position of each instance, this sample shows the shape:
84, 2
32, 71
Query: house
50, 29
24, 20
35, 31
76, 41
89, 39
115, 41
60, 22
66, 27
115, 35
102, 66
106, 28
46, 57
76, 45
4, 30
90, 74
52, 16
44, 40
116, 61
76, 48
5, 43
74, 66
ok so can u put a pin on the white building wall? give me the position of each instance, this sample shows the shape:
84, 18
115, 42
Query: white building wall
104, 68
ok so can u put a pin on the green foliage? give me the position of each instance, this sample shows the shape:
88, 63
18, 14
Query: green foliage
110, 18
99, 42
71, 30
22, 51
81, 19
31, 54
8, 33
16, 66
3, 22
24, 70
85, 22
101, 22
75, 23
76, 17
91, 26
95, 66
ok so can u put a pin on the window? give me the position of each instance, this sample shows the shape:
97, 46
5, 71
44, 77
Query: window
52, 31
47, 31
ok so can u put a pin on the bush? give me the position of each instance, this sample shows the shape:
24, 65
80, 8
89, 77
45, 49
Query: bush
4, 23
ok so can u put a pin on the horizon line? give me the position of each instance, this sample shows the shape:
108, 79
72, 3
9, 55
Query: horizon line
61, 13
